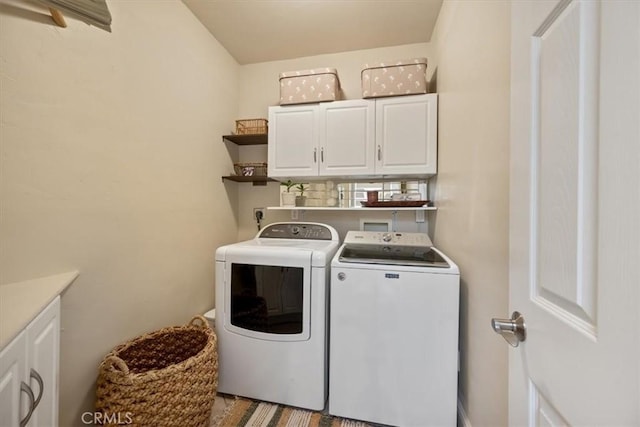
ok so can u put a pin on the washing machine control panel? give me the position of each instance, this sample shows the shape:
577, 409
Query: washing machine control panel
300, 230
387, 238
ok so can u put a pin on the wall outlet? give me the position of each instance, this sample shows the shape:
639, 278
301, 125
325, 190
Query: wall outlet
261, 211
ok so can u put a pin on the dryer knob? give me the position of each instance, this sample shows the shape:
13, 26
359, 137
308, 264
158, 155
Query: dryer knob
386, 237
342, 276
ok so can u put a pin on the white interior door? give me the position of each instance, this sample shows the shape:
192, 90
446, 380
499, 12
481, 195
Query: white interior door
575, 209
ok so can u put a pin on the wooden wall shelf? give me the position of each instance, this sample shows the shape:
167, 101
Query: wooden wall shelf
254, 179
246, 139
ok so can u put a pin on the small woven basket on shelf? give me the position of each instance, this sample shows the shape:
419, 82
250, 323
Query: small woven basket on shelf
166, 378
250, 169
251, 127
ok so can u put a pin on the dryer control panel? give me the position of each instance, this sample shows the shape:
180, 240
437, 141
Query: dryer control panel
387, 238
298, 230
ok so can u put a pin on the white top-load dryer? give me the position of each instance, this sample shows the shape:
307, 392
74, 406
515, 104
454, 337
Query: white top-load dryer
394, 331
271, 314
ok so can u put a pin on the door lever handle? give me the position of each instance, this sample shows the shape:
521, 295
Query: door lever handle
513, 330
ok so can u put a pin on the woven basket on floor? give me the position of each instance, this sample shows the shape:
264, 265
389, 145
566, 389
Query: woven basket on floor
165, 378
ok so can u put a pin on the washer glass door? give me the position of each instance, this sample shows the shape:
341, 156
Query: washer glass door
267, 298
267, 294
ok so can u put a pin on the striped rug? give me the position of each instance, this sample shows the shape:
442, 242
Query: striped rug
250, 413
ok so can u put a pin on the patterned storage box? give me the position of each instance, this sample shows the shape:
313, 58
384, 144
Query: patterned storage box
303, 87
406, 77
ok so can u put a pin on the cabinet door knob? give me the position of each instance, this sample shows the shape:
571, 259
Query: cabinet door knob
24, 387
315, 155
379, 153
322, 154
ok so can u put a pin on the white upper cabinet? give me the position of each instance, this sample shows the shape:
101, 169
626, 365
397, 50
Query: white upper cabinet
294, 131
406, 135
347, 138
388, 136
327, 139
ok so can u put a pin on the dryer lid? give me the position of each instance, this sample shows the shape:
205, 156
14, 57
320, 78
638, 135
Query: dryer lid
421, 256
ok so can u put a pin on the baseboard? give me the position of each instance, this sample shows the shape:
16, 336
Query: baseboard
463, 419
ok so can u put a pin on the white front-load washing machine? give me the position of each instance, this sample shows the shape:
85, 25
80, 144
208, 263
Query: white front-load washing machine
394, 331
271, 314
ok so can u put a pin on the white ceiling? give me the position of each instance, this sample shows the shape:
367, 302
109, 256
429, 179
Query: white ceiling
271, 30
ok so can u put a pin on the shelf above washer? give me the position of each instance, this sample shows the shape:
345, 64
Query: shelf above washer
355, 208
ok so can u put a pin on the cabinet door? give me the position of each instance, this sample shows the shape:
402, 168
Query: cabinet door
406, 135
293, 141
12, 372
347, 137
43, 352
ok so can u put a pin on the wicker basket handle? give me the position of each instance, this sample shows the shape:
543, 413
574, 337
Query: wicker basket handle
120, 364
205, 322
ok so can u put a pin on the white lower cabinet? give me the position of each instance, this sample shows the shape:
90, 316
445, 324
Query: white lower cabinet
13, 360
29, 367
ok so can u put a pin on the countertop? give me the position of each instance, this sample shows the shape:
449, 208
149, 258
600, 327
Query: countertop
20, 302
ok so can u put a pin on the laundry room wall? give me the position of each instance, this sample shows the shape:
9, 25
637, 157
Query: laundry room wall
472, 41
110, 164
260, 88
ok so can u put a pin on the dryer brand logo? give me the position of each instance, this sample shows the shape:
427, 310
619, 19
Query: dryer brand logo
391, 275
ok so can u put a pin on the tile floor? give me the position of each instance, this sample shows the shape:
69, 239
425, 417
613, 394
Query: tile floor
219, 406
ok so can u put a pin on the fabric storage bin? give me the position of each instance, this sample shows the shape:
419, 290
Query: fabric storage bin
405, 77
166, 378
307, 86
